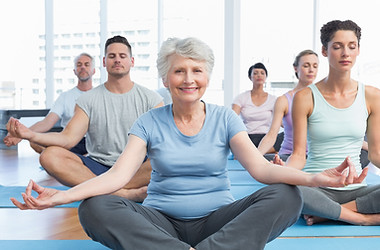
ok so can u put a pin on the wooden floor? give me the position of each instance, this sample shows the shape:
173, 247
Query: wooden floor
17, 167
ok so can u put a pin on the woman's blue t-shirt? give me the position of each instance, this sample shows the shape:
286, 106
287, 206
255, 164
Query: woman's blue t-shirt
189, 177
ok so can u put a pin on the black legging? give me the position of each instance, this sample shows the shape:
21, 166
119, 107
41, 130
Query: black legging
256, 139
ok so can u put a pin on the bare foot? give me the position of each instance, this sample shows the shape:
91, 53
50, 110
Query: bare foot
310, 220
137, 195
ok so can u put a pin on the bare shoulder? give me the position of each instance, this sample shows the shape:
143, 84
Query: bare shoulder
372, 97
281, 105
303, 102
303, 94
371, 92
282, 101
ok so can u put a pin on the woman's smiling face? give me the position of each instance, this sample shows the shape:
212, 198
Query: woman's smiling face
187, 79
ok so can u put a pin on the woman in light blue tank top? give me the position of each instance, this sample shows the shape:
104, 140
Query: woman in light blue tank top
332, 117
306, 69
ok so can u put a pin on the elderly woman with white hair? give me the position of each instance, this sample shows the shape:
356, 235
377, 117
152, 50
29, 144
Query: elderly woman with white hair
189, 204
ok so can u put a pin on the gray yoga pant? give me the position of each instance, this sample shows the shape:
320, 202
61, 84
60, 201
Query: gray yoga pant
324, 202
248, 223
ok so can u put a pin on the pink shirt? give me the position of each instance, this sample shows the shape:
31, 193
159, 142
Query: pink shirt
257, 119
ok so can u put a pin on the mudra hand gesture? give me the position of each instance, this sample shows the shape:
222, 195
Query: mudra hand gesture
46, 198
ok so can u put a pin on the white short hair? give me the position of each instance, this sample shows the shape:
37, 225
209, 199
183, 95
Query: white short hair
189, 48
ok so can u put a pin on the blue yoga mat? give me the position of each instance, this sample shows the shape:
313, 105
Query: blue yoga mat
6, 192
329, 228
324, 243
51, 245
277, 244
234, 165
241, 191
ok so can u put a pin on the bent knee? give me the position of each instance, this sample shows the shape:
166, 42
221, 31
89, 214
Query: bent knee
97, 206
92, 209
49, 155
289, 196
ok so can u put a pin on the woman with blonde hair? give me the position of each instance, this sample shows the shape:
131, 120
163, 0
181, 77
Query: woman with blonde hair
306, 68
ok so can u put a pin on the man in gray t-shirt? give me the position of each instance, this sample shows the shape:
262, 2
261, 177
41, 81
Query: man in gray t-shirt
105, 115
63, 108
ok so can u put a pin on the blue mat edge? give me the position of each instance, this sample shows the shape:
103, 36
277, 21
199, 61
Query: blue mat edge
51, 244
5, 202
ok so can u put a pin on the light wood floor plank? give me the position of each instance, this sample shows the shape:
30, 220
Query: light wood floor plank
17, 167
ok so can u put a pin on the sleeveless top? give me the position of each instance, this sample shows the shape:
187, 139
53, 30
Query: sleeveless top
334, 133
287, 122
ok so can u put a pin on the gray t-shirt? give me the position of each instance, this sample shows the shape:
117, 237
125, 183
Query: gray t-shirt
111, 116
65, 104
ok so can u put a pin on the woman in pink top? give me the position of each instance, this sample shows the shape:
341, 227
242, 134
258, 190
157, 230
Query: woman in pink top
306, 69
256, 106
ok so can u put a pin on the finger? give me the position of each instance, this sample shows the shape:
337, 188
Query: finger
343, 165
343, 178
11, 123
36, 203
352, 165
352, 172
18, 204
28, 204
17, 127
29, 188
362, 176
7, 126
39, 189
282, 163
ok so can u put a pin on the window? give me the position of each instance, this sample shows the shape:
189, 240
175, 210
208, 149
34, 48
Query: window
90, 46
267, 38
78, 46
365, 14
268, 34
208, 25
129, 33
143, 32
143, 56
91, 34
143, 44
142, 68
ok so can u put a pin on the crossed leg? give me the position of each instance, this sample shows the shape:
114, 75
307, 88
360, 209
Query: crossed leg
69, 170
362, 208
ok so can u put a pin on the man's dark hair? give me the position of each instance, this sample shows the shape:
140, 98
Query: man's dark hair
118, 39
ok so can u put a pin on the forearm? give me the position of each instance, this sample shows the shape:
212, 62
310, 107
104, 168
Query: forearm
114, 179
46, 124
296, 161
282, 174
266, 143
52, 139
106, 183
41, 127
